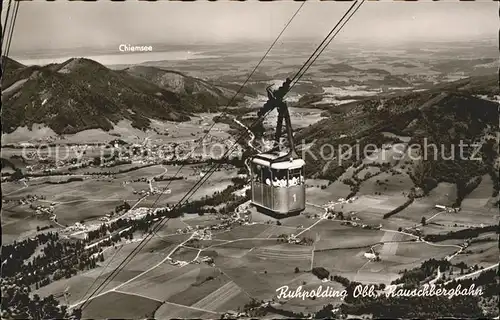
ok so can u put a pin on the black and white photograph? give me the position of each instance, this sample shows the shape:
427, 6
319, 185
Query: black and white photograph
250, 159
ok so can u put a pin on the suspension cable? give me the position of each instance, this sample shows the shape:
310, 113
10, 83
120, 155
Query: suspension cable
207, 175
329, 41
236, 94
324, 40
136, 250
191, 192
12, 25
6, 21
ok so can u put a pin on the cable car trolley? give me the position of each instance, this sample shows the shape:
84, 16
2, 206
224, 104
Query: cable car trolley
277, 178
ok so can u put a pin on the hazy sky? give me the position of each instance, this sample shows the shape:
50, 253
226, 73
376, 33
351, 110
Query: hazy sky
63, 24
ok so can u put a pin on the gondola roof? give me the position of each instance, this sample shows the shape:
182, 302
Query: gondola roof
266, 159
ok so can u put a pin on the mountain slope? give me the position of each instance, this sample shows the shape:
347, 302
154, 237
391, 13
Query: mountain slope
9, 64
444, 117
81, 94
200, 94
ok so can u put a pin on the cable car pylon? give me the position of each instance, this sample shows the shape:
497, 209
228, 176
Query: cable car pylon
277, 178
161, 223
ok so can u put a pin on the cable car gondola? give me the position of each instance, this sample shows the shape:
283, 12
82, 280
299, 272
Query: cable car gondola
277, 179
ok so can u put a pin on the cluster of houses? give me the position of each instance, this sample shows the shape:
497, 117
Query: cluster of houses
207, 260
231, 314
293, 239
179, 263
77, 227
203, 234
153, 191
185, 230
372, 255
42, 210
27, 200
234, 315
351, 220
447, 209
361, 225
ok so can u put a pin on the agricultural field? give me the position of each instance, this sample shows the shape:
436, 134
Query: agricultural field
249, 261
96, 212
483, 254
123, 305
90, 198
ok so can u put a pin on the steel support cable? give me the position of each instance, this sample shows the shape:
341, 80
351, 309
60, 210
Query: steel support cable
141, 245
216, 166
210, 172
102, 271
261, 118
6, 22
244, 83
12, 26
184, 199
322, 42
13, 18
236, 94
329, 41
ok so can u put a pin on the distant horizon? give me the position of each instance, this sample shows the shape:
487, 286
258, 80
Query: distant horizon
42, 27
416, 42
159, 47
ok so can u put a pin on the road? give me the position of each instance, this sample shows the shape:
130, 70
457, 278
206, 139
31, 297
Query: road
137, 276
150, 180
323, 217
422, 240
427, 220
448, 258
438, 276
389, 230
252, 136
119, 217
23, 187
473, 273
84, 200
